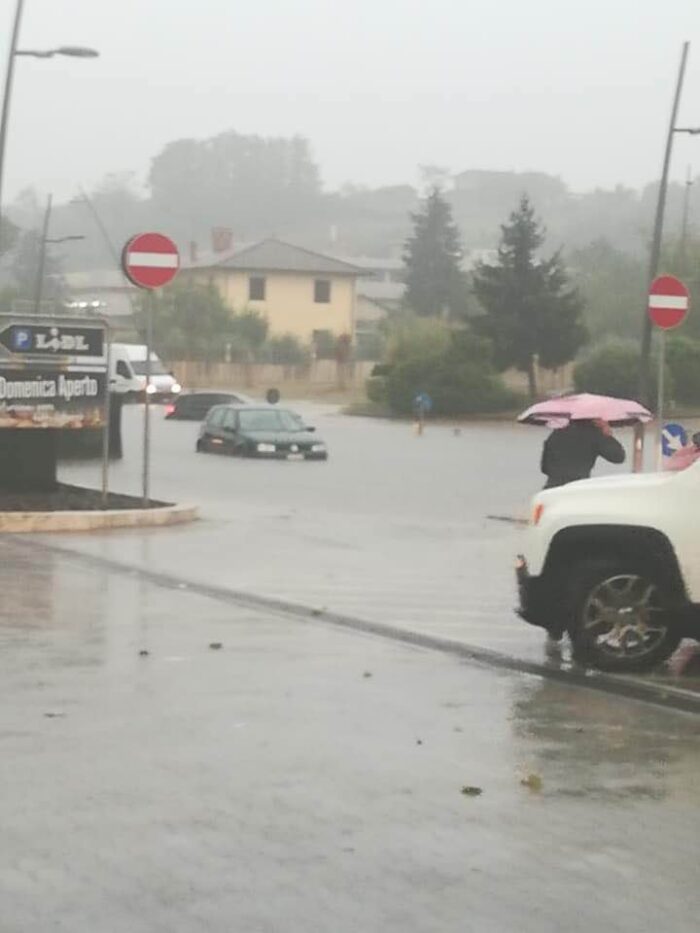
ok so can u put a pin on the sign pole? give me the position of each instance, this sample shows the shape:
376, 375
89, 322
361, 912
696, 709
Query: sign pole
660, 399
150, 261
150, 300
106, 424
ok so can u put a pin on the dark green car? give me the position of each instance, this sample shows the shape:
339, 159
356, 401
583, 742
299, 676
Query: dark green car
266, 432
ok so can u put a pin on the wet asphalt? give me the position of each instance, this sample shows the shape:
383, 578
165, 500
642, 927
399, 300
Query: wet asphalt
418, 533
176, 762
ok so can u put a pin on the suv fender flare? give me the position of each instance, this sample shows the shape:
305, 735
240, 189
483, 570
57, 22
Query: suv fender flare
642, 545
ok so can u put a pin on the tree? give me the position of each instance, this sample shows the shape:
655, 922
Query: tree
533, 314
24, 267
190, 321
259, 184
613, 285
454, 367
435, 283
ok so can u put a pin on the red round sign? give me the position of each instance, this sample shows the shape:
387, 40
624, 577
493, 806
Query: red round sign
669, 301
150, 260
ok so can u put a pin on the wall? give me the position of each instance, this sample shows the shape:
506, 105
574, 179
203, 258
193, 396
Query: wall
289, 304
257, 377
554, 381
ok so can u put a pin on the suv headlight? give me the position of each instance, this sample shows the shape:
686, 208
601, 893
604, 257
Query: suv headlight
317, 448
175, 388
266, 448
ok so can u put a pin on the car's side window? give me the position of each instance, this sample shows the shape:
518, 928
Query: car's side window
216, 418
230, 419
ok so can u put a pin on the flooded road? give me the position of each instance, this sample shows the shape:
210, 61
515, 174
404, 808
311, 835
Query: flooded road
394, 528
297, 778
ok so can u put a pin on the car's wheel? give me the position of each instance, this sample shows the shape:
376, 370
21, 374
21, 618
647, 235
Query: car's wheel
619, 618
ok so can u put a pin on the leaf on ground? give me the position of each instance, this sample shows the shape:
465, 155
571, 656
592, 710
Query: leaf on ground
470, 791
533, 782
215, 645
367, 674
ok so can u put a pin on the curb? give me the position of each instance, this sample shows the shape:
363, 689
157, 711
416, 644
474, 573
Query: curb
26, 522
632, 687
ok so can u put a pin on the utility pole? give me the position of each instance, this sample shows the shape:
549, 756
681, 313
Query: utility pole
42, 257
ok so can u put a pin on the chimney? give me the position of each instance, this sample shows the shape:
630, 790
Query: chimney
221, 239
193, 251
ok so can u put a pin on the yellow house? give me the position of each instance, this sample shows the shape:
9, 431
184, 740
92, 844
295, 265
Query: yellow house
299, 292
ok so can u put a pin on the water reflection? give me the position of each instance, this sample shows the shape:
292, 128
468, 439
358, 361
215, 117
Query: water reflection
44, 593
590, 744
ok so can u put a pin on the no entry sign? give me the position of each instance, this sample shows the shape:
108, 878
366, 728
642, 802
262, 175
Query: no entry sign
669, 301
150, 260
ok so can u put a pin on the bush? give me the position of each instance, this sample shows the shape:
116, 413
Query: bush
613, 369
683, 360
285, 350
454, 367
455, 388
375, 387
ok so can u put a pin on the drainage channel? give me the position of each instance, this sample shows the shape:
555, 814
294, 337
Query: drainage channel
660, 694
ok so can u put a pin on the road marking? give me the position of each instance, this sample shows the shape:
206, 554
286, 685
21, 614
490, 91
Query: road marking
153, 260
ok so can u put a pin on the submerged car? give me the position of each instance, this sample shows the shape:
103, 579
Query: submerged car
266, 432
194, 406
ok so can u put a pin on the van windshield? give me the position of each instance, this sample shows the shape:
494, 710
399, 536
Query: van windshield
157, 368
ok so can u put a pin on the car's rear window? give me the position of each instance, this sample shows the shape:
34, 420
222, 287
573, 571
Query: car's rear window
263, 419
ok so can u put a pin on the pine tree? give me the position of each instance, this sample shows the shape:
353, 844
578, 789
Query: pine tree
533, 313
435, 283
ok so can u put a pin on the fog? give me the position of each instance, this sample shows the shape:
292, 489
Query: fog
581, 90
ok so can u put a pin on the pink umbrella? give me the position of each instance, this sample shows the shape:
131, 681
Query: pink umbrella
558, 412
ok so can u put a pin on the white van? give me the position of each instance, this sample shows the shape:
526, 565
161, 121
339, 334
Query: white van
128, 374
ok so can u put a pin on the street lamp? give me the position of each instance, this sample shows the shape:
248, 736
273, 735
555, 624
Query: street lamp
71, 51
655, 254
39, 287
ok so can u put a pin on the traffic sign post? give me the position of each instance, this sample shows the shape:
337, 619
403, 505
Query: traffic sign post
669, 303
422, 405
150, 261
673, 437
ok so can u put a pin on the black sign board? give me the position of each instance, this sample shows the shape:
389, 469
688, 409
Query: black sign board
42, 397
53, 372
53, 340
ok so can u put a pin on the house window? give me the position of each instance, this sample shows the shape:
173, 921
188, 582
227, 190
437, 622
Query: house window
256, 288
322, 291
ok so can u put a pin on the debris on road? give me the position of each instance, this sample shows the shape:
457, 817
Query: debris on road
143, 653
533, 782
470, 791
216, 645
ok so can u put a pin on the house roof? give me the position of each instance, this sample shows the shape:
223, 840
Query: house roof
276, 256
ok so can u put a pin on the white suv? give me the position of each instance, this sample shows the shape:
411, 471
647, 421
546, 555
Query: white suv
615, 562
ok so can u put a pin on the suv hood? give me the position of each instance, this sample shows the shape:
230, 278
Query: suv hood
602, 483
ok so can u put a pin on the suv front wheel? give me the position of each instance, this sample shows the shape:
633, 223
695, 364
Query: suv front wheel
620, 618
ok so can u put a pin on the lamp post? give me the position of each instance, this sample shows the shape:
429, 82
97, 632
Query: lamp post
655, 253
45, 239
71, 51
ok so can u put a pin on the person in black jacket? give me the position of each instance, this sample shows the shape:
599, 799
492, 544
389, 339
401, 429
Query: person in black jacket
570, 453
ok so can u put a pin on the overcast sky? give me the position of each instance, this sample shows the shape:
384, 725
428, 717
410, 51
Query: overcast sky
576, 89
